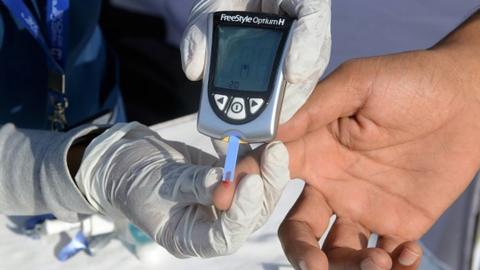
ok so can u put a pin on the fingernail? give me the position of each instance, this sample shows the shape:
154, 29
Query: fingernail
408, 257
368, 264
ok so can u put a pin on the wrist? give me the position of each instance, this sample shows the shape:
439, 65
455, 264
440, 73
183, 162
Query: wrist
460, 50
465, 36
77, 149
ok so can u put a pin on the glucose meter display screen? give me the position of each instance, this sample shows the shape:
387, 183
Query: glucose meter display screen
245, 57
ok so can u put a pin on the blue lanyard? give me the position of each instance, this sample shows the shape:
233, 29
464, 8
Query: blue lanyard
55, 47
57, 28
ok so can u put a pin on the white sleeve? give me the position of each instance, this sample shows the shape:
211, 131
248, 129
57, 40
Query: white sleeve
34, 176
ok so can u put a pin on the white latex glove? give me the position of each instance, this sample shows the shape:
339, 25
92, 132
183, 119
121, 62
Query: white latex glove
166, 188
309, 51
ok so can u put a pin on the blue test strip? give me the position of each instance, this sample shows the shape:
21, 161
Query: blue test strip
231, 158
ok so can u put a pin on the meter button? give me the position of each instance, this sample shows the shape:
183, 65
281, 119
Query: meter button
237, 109
255, 105
221, 101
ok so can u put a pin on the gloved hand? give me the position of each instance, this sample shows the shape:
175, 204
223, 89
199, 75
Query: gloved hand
166, 188
309, 51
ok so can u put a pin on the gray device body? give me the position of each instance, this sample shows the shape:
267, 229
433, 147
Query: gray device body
221, 119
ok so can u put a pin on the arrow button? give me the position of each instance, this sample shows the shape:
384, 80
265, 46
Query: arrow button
221, 101
255, 105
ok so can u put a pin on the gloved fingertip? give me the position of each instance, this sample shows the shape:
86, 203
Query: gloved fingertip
275, 167
301, 68
276, 153
193, 72
193, 50
309, 51
293, 76
250, 184
185, 56
212, 176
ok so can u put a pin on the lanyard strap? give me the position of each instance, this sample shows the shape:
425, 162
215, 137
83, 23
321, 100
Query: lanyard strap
57, 23
57, 26
54, 46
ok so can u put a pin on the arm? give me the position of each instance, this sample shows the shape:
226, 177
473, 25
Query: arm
129, 172
34, 176
387, 144
462, 44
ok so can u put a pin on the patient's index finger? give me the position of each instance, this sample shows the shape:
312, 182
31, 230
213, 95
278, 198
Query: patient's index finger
225, 191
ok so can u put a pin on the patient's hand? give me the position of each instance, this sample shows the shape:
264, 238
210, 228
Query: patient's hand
387, 144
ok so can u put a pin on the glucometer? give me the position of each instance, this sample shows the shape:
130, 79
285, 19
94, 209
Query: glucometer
243, 84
